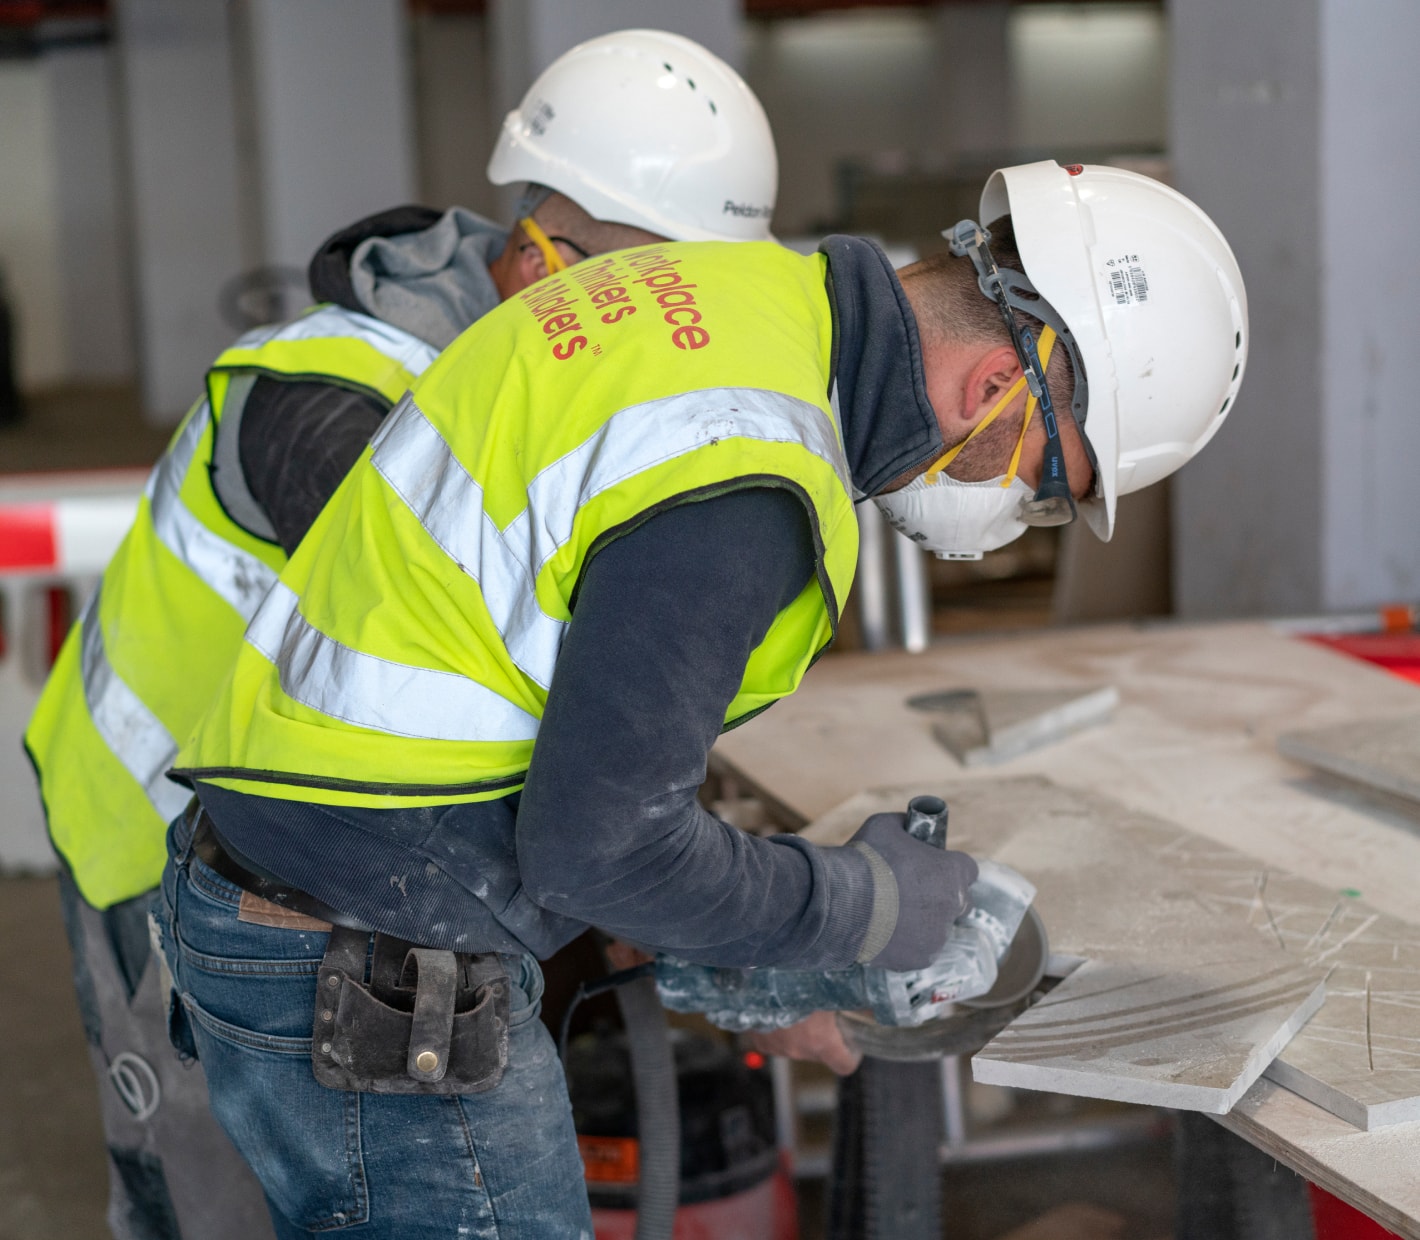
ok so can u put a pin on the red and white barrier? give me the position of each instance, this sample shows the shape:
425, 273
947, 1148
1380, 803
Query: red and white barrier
57, 534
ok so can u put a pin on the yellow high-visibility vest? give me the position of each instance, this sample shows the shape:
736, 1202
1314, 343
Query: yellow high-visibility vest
405, 656
147, 657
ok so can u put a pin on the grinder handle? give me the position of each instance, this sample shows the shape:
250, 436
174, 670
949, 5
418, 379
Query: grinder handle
927, 820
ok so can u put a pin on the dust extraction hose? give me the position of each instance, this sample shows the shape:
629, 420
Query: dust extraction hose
657, 1107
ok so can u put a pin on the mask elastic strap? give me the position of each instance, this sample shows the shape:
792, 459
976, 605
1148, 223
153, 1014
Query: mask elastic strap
550, 256
941, 463
937, 467
1047, 345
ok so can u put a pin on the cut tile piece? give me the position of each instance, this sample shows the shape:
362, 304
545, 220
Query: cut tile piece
1132, 1032
1380, 753
983, 727
1359, 1057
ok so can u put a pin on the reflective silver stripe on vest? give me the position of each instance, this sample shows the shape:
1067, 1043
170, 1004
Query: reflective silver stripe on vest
236, 575
370, 692
330, 321
134, 733
416, 461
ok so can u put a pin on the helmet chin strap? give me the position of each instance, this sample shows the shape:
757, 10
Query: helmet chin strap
1053, 502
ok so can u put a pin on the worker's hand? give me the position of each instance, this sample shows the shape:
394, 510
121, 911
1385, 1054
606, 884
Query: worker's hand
931, 892
817, 1039
622, 955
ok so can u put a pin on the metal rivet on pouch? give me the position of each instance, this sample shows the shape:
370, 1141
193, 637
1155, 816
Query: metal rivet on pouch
427, 1061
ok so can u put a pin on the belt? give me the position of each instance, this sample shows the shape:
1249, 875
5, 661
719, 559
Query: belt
218, 856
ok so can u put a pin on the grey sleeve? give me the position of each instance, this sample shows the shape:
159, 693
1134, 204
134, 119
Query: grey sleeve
298, 440
609, 830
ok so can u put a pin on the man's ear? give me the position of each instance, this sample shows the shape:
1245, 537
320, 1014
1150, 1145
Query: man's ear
989, 379
531, 266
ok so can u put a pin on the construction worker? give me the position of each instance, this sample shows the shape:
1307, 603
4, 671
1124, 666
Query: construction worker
627, 138
615, 517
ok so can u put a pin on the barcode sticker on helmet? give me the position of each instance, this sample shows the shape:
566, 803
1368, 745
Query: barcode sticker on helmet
1127, 282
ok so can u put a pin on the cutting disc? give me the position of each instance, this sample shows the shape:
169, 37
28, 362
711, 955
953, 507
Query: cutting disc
973, 1022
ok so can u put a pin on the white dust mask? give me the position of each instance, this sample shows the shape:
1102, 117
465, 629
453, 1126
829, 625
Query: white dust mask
964, 520
957, 520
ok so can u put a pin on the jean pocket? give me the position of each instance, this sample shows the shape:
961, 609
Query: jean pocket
180, 1028
300, 1139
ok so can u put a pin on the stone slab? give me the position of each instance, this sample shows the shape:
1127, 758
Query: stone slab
1380, 753
988, 726
1194, 1039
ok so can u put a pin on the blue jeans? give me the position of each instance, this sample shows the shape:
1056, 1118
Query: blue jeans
501, 1164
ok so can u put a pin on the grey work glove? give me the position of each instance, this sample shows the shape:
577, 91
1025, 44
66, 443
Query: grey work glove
918, 891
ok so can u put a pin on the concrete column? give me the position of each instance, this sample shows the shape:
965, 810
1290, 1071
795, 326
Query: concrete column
93, 247
525, 36
973, 93
456, 121
182, 171
1291, 127
255, 129
29, 266
328, 83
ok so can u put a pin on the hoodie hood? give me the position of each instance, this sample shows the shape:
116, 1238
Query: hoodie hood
887, 421
422, 271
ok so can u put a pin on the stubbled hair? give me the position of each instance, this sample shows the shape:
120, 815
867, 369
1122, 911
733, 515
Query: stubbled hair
951, 308
559, 216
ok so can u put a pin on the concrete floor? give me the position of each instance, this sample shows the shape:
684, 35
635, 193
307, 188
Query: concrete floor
53, 1173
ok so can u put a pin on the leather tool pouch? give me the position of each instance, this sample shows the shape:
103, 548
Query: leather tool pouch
427, 1021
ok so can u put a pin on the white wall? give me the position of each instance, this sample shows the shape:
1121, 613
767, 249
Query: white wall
836, 86
28, 228
1369, 182
1092, 74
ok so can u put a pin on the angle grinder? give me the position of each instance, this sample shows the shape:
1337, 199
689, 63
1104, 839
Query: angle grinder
983, 976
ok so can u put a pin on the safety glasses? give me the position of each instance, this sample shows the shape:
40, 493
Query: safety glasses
1053, 503
548, 246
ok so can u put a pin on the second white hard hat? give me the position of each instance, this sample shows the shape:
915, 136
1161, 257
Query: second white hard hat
1153, 297
646, 128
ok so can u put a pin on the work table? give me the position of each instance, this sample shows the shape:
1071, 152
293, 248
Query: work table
1194, 742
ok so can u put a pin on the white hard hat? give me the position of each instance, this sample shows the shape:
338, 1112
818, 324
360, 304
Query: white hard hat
1154, 301
646, 128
